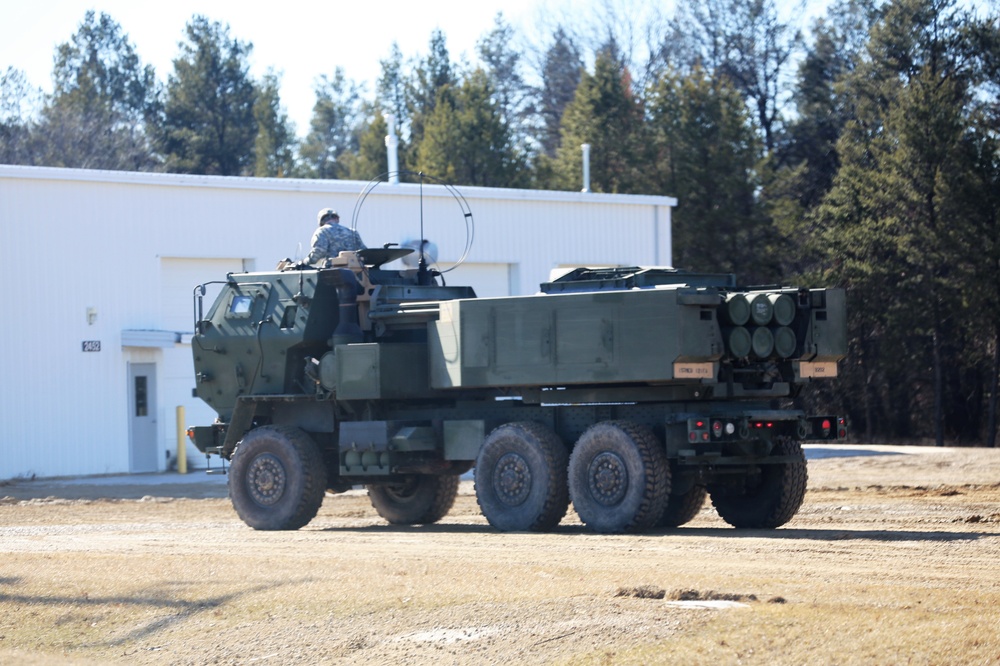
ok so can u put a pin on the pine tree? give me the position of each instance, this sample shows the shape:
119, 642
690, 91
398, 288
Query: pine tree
390, 88
743, 40
208, 122
606, 114
99, 70
333, 129
502, 66
102, 97
707, 153
274, 145
17, 99
898, 222
800, 172
432, 82
984, 215
371, 160
561, 73
468, 142
821, 109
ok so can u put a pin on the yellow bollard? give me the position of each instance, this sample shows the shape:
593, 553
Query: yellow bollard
182, 461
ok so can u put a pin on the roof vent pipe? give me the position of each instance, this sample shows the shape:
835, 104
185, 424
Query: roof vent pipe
392, 148
586, 167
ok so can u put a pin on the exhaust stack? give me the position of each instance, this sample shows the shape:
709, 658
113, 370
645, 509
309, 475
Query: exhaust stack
392, 150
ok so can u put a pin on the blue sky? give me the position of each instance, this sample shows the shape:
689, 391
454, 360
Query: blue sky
300, 40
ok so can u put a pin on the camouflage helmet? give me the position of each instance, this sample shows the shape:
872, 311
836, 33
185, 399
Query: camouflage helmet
325, 214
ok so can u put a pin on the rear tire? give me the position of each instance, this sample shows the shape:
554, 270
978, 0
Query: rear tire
618, 477
277, 479
419, 499
767, 500
521, 478
682, 509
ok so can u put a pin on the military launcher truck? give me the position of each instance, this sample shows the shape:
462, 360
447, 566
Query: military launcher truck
632, 392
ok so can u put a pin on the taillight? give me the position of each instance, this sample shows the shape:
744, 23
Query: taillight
698, 430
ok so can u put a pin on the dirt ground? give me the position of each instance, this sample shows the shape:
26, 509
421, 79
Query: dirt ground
893, 558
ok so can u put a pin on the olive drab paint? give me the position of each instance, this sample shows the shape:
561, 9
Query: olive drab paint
359, 374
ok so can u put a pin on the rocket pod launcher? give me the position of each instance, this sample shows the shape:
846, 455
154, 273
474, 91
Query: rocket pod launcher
631, 392
641, 327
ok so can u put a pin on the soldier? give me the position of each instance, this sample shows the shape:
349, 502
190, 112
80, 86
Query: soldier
331, 239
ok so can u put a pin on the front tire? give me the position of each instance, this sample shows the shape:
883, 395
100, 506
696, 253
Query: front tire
419, 499
769, 499
521, 478
277, 479
619, 478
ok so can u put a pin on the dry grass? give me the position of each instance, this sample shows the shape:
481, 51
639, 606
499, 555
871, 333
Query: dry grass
887, 574
818, 633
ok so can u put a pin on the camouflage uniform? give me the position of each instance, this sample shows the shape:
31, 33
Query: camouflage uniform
331, 239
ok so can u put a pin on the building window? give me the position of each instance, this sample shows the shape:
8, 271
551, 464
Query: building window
141, 396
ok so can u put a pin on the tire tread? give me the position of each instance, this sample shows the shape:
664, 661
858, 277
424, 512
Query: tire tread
308, 462
555, 459
656, 477
780, 500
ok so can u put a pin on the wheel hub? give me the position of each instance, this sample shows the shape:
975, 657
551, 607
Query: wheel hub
403, 492
266, 479
608, 478
512, 479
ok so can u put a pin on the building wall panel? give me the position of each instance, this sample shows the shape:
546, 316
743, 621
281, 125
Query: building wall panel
128, 248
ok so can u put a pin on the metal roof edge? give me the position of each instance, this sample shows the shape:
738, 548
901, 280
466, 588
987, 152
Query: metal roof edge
177, 179
325, 186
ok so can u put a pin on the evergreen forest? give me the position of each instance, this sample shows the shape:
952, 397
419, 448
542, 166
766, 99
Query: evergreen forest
862, 152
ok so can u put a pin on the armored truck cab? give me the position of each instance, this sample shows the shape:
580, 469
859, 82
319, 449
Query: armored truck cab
632, 392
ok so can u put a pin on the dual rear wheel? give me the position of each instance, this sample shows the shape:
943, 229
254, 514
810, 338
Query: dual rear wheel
619, 480
770, 496
521, 478
617, 477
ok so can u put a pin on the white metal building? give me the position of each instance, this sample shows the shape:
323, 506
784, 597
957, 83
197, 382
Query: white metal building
98, 269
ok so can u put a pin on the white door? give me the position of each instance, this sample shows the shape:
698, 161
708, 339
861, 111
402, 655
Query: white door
178, 278
487, 279
142, 417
